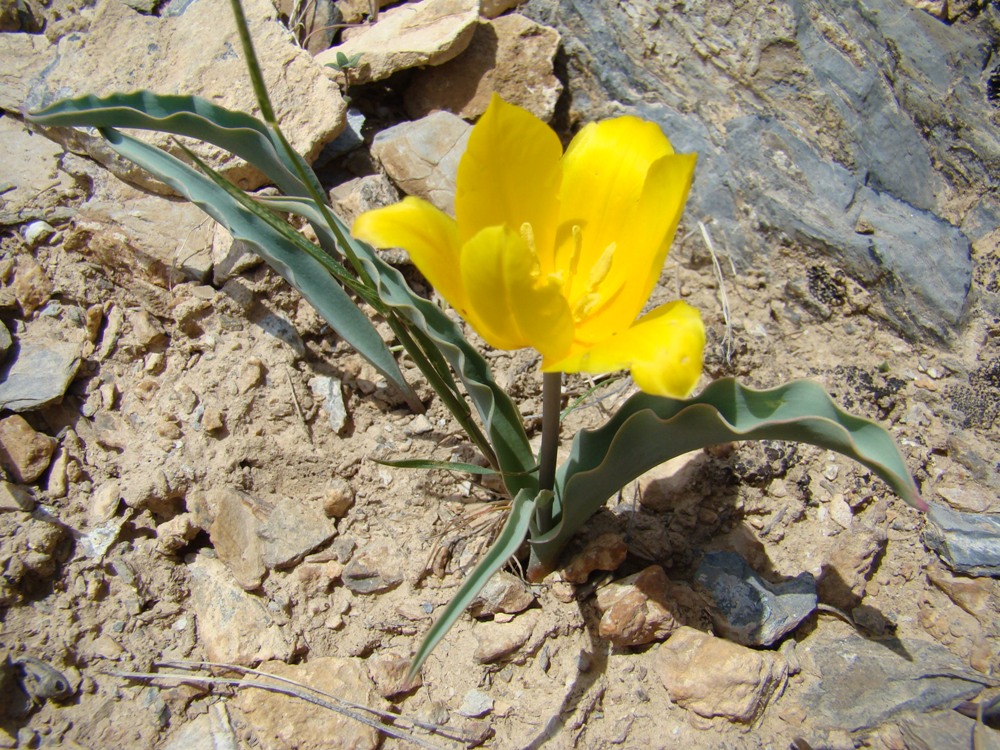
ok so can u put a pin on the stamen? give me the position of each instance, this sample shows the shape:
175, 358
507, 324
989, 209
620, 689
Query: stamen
585, 305
600, 270
528, 235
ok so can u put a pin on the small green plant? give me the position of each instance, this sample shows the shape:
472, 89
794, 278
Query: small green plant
558, 252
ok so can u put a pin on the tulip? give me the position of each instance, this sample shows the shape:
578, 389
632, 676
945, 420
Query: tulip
560, 252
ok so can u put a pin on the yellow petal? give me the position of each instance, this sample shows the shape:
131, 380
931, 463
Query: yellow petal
663, 350
509, 175
604, 173
642, 245
510, 305
429, 236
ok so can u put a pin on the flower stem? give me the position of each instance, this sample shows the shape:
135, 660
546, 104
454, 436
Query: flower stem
551, 402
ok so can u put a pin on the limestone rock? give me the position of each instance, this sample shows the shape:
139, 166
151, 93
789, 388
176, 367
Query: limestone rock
41, 365
511, 56
39, 189
605, 552
375, 569
388, 672
354, 197
15, 497
32, 287
282, 721
504, 593
23, 452
234, 537
330, 392
500, 640
661, 488
638, 609
422, 156
493, 8
122, 51
428, 32
845, 574
233, 626
713, 677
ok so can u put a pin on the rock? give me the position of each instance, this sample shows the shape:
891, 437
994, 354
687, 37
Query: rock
231, 258
122, 51
861, 683
350, 138
844, 576
504, 593
967, 542
500, 640
41, 366
713, 677
946, 729
750, 610
475, 704
422, 156
14, 497
388, 672
511, 56
971, 498
147, 330
605, 552
663, 487
6, 342
375, 569
429, 32
233, 626
252, 535
37, 232
208, 731
354, 197
339, 498
32, 287
23, 452
493, 8
858, 105
282, 721
638, 609
330, 392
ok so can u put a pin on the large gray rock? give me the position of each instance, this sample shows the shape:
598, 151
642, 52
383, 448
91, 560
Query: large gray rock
808, 115
192, 48
968, 542
41, 366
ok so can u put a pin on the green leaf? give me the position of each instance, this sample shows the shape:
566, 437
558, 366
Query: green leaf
343, 60
649, 430
192, 116
511, 537
498, 413
287, 252
427, 464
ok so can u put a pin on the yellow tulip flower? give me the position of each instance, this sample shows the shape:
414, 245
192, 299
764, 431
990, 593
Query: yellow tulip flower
560, 252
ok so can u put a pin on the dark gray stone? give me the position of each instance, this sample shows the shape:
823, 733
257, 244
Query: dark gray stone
862, 683
967, 542
37, 374
806, 116
750, 610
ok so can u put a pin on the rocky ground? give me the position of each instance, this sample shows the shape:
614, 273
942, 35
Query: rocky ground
190, 457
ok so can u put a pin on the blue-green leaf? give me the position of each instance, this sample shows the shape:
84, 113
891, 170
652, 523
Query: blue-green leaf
511, 537
285, 250
649, 430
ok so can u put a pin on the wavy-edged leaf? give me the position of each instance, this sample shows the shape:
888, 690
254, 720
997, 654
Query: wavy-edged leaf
287, 252
498, 413
192, 116
649, 430
513, 534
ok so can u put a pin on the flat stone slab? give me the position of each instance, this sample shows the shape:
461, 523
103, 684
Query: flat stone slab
864, 683
750, 610
39, 367
967, 542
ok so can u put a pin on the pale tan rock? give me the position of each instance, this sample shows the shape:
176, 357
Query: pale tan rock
605, 552
714, 677
147, 330
234, 536
233, 626
660, 488
175, 534
14, 497
25, 57
511, 56
30, 163
429, 32
353, 11
191, 52
32, 287
354, 197
493, 8
24, 453
848, 567
500, 640
638, 609
281, 722
388, 672
422, 156
503, 593
339, 498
